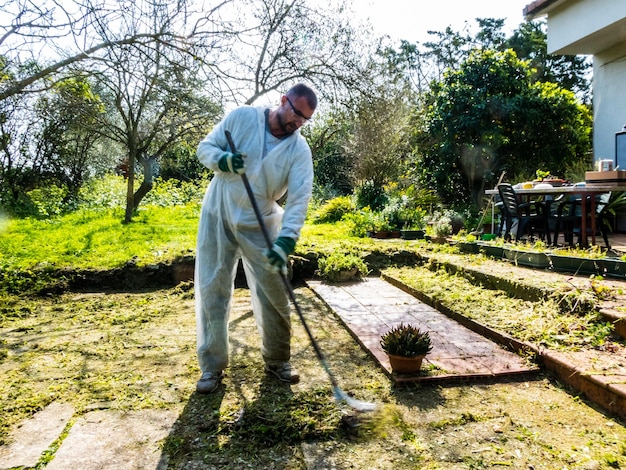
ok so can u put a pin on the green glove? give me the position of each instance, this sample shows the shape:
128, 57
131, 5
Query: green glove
279, 253
232, 162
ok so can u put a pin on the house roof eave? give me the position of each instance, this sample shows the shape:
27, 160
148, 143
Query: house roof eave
541, 8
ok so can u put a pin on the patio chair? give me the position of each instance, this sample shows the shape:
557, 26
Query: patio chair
569, 219
531, 216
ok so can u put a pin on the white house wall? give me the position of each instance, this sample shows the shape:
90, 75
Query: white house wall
586, 26
609, 100
596, 27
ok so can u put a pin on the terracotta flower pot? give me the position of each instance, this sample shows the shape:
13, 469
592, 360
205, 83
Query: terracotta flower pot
406, 365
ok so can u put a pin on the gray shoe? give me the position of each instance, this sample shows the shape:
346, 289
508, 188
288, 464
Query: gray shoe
284, 372
209, 382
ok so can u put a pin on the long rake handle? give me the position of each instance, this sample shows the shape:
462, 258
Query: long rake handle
482, 217
286, 283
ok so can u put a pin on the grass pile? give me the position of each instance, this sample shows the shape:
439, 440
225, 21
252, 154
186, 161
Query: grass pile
558, 322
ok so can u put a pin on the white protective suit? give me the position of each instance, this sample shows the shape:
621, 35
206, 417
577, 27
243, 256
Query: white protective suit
228, 230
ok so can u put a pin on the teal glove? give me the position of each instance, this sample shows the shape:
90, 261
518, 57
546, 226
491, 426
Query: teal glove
279, 253
232, 162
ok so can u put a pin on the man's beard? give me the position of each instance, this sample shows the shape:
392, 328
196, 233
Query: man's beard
281, 124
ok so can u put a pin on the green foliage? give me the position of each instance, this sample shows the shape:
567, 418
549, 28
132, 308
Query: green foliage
379, 142
616, 204
479, 122
334, 210
575, 171
369, 194
173, 192
48, 200
110, 192
406, 340
342, 266
529, 41
361, 222
332, 168
107, 192
181, 163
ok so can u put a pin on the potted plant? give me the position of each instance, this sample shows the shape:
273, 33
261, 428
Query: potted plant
406, 346
413, 224
578, 261
487, 223
492, 248
467, 243
381, 227
442, 228
342, 267
533, 254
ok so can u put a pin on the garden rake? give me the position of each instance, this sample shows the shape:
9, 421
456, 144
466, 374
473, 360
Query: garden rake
340, 395
478, 231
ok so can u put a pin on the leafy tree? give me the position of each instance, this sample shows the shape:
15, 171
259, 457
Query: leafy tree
450, 48
153, 107
379, 143
19, 161
180, 162
488, 117
571, 72
69, 113
332, 166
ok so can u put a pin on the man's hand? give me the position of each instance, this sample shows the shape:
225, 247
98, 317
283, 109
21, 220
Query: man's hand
279, 253
232, 162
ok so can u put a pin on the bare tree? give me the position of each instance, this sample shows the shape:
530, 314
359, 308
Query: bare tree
279, 42
154, 104
145, 56
63, 33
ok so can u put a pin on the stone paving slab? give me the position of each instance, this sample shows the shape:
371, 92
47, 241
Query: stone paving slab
371, 307
116, 440
33, 437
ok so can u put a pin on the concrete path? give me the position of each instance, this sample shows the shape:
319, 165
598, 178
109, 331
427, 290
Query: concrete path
101, 439
35, 436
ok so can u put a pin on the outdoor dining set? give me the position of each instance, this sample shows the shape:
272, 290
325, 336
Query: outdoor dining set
556, 211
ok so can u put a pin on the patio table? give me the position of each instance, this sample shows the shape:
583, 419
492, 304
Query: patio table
583, 191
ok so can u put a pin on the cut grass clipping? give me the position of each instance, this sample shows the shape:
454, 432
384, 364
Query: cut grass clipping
550, 323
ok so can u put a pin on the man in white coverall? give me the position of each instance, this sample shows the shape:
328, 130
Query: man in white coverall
276, 160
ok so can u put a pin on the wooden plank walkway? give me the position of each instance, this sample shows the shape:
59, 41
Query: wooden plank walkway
371, 307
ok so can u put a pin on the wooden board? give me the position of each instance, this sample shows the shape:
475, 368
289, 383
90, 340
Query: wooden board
616, 176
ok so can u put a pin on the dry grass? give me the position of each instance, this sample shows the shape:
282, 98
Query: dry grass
134, 351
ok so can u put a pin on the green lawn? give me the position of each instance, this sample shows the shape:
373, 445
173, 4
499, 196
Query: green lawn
99, 239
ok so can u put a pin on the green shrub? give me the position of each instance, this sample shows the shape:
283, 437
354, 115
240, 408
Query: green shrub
361, 222
442, 227
333, 210
107, 192
48, 200
370, 194
333, 267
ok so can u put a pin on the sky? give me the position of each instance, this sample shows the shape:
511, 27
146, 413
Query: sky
411, 19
